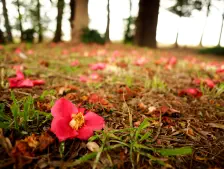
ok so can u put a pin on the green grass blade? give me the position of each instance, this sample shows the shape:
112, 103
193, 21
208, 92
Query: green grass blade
175, 151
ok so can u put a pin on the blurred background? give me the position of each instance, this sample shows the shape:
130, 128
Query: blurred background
152, 23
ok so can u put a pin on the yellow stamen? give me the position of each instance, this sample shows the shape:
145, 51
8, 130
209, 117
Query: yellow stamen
77, 121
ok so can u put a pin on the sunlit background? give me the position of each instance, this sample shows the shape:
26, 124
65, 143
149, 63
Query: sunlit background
190, 29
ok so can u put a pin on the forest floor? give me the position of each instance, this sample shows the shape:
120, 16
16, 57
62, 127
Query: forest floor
162, 108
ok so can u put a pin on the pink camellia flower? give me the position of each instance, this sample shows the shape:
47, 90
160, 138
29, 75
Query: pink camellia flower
220, 69
98, 66
30, 52
141, 61
83, 78
191, 92
18, 51
19, 81
75, 63
210, 83
72, 122
95, 76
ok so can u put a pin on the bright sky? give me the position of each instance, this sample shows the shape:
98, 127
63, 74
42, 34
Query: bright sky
190, 29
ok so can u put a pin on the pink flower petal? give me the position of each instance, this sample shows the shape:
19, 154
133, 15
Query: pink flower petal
60, 127
38, 82
191, 92
209, 83
85, 133
94, 121
82, 110
83, 78
63, 108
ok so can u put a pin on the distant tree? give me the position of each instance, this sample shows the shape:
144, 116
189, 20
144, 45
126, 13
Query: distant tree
81, 19
2, 38
40, 30
72, 12
107, 33
184, 8
146, 23
58, 32
220, 34
18, 4
7, 23
129, 32
208, 6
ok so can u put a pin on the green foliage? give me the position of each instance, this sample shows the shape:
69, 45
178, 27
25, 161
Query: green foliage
185, 7
24, 113
215, 50
28, 35
175, 151
47, 93
138, 141
129, 30
92, 36
156, 84
216, 92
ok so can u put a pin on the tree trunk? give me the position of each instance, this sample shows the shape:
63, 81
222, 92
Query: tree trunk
7, 24
72, 13
81, 19
207, 14
58, 32
2, 38
40, 32
220, 35
20, 21
146, 23
107, 33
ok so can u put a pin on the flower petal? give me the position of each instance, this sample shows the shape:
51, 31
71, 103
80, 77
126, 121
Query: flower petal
94, 121
85, 133
60, 127
63, 108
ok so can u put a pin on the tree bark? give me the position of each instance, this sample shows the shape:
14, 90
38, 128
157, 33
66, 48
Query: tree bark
40, 31
20, 21
58, 32
207, 14
220, 35
7, 24
81, 19
146, 23
107, 33
72, 12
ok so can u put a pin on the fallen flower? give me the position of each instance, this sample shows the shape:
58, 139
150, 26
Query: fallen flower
98, 66
141, 61
71, 122
20, 81
191, 92
210, 83
75, 63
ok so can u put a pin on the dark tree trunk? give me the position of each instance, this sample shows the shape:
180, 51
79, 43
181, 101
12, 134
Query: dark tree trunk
2, 38
20, 21
107, 33
58, 32
81, 19
207, 14
72, 15
40, 31
220, 35
7, 24
146, 23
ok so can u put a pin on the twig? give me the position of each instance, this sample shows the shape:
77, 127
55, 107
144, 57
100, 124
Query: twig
159, 129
